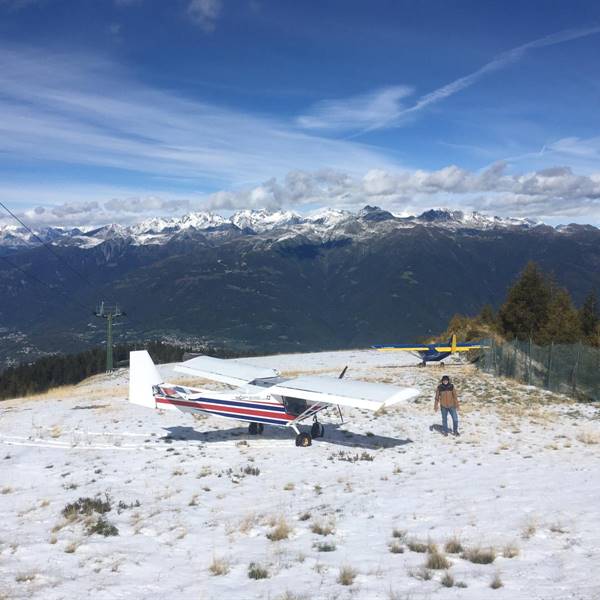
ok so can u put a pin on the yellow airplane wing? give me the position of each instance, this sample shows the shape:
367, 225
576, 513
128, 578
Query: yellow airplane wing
402, 348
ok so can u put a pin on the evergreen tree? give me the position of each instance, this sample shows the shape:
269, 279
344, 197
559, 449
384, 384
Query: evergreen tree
525, 310
562, 325
487, 315
589, 315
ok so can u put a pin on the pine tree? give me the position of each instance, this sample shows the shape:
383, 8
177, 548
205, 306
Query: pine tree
526, 307
563, 324
487, 315
589, 315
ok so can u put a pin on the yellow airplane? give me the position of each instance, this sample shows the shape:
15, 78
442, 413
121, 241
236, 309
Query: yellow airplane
433, 352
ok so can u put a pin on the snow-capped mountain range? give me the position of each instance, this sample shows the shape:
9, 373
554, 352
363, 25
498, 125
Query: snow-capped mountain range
325, 224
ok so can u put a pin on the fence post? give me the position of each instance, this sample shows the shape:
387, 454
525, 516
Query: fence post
529, 363
574, 376
549, 373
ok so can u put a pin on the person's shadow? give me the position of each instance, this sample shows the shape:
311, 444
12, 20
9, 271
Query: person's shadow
334, 434
437, 428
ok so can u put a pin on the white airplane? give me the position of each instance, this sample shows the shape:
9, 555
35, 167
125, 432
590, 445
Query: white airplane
261, 397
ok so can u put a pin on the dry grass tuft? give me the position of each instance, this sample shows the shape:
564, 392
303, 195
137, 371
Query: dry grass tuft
347, 575
396, 547
421, 547
247, 523
589, 438
287, 595
281, 531
529, 530
218, 566
322, 528
437, 561
453, 546
496, 583
447, 580
510, 551
422, 574
480, 556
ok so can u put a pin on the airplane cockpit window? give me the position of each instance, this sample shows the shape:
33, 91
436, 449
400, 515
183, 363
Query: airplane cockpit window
294, 406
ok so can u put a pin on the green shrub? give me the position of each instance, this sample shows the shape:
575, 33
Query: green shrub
256, 571
102, 527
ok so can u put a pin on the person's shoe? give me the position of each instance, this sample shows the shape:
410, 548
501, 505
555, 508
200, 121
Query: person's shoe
456, 434
445, 433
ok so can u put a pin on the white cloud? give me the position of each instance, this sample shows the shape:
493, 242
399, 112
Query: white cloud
382, 108
554, 194
550, 193
124, 211
205, 13
82, 110
371, 110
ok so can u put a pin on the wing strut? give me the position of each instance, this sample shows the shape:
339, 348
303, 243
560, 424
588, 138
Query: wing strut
341, 376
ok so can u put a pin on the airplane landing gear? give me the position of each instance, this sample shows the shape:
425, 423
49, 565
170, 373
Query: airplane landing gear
256, 428
317, 430
303, 440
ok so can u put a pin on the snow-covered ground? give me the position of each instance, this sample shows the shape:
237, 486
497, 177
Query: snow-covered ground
200, 496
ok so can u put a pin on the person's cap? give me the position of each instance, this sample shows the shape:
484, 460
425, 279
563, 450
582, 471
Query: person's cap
445, 377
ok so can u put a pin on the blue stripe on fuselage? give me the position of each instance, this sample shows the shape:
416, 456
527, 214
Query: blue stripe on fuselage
254, 405
234, 403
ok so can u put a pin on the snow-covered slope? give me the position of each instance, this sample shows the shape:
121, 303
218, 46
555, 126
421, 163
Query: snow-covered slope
200, 493
322, 224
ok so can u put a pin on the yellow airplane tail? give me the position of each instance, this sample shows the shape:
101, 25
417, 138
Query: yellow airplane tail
453, 343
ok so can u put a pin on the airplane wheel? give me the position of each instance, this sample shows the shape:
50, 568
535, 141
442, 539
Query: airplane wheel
253, 428
317, 430
260, 428
441, 364
303, 440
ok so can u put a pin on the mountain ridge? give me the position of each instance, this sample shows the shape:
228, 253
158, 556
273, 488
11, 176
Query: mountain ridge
321, 224
278, 283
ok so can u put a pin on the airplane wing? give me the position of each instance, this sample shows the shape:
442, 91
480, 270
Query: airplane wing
403, 347
462, 347
357, 394
232, 372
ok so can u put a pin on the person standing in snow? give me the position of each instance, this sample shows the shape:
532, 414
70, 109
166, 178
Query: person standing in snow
446, 398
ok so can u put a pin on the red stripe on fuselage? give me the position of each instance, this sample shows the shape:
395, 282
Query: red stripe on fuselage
207, 406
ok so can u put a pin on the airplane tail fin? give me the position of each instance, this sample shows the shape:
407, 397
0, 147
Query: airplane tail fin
453, 343
142, 376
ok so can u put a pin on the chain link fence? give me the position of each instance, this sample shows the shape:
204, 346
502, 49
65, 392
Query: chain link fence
571, 369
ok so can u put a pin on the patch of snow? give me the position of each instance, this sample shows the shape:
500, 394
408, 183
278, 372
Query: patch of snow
522, 475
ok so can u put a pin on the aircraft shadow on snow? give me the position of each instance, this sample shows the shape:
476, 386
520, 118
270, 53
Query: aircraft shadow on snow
334, 435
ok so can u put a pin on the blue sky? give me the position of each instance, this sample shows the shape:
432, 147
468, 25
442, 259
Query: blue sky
226, 104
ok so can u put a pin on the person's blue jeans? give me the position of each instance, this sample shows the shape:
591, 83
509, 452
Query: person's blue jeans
454, 415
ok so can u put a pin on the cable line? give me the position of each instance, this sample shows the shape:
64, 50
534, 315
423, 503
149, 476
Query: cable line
46, 245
